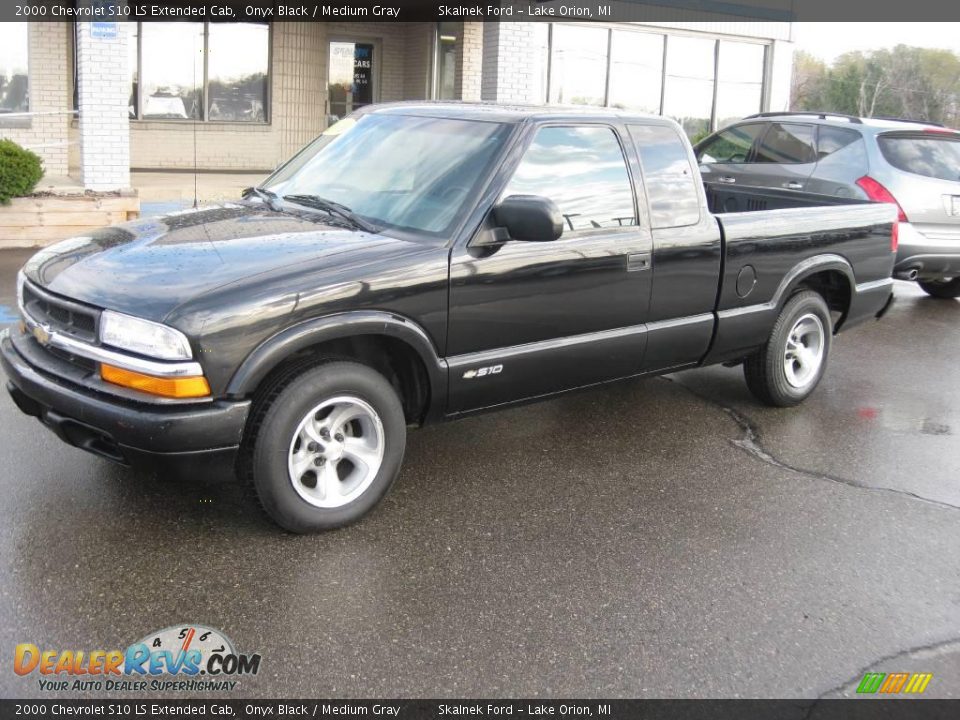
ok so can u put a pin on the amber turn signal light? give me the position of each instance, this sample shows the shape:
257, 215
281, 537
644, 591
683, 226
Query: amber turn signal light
173, 387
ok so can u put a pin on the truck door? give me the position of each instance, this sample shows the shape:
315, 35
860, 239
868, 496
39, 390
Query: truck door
532, 318
687, 250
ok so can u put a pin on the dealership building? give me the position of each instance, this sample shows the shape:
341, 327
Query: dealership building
97, 100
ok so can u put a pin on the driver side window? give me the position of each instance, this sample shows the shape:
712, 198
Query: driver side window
731, 145
582, 169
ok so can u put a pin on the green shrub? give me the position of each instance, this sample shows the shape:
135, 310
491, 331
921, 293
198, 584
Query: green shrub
20, 171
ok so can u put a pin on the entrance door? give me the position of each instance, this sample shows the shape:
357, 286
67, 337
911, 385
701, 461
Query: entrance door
351, 81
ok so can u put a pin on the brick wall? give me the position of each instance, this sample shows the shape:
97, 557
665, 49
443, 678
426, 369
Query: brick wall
514, 62
418, 60
299, 86
298, 99
469, 71
50, 84
103, 91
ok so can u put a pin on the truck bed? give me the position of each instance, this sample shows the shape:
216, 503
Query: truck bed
765, 231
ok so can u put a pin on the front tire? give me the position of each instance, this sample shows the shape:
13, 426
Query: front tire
941, 289
328, 447
789, 366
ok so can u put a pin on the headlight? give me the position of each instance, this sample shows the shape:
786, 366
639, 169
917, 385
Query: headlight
143, 337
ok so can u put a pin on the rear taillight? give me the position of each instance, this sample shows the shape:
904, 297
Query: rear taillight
895, 236
878, 193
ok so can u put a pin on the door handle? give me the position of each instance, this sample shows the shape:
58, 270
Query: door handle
638, 261
726, 179
793, 185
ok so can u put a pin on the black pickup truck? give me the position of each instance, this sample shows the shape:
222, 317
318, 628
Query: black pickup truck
420, 262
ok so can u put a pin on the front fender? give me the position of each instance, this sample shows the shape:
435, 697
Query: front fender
271, 352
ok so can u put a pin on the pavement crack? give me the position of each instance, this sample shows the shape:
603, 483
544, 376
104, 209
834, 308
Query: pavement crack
751, 444
918, 652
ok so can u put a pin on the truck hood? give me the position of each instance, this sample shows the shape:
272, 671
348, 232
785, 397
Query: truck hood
149, 267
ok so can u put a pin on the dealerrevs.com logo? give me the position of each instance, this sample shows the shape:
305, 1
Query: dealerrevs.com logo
186, 657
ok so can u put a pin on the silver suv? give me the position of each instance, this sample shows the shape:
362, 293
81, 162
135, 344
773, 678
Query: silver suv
912, 164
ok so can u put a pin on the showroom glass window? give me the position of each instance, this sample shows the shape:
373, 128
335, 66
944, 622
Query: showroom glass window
636, 71
583, 171
14, 79
688, 83
702, 82
578, 65
739, 81
448, 35
200, 71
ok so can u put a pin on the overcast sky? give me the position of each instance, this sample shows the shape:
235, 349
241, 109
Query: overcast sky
827, 40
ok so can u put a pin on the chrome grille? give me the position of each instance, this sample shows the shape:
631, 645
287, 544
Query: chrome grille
60, 315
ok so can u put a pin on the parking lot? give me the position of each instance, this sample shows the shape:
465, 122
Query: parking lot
656, 538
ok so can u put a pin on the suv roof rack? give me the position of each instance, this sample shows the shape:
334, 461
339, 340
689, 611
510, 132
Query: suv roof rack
822, 114
907, 120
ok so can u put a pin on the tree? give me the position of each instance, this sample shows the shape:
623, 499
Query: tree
907, 82
808, 83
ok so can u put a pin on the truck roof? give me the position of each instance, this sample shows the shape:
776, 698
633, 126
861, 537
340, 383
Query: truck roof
493, 112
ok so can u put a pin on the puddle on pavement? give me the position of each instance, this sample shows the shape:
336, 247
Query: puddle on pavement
903, 421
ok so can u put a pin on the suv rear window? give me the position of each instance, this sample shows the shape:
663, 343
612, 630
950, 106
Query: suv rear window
930, 156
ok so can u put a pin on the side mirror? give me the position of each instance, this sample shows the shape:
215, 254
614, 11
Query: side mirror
529, 217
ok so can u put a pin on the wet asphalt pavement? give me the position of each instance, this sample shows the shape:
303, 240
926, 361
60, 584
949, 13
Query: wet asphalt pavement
657, 538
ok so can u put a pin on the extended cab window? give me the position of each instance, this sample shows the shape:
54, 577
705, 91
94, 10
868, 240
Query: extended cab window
731, 145
583, 171
787, 143
670, 181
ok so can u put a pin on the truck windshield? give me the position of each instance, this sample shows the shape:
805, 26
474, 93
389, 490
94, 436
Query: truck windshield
399, 171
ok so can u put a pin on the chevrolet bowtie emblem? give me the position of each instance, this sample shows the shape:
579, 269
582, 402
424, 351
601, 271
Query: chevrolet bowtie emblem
41, 334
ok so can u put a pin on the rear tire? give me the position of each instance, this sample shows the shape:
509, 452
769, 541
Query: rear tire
941, 289
328, 446
789, 366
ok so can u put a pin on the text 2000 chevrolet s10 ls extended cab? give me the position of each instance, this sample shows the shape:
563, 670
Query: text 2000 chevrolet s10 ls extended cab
422, 262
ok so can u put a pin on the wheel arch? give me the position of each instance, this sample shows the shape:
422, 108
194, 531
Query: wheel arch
380, 339
829, 275
742, 330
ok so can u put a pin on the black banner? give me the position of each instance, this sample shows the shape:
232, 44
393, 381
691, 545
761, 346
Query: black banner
855, 709
860, 11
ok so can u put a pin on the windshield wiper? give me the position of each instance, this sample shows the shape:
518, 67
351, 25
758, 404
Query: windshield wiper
333, 208
268, 196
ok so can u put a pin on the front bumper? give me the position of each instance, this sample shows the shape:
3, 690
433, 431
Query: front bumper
178, 436
932, 257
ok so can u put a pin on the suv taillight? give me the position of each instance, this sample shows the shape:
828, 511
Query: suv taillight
878, 193
895, 236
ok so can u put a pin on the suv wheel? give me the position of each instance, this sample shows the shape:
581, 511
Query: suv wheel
944, 289
789, 366
327, 447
